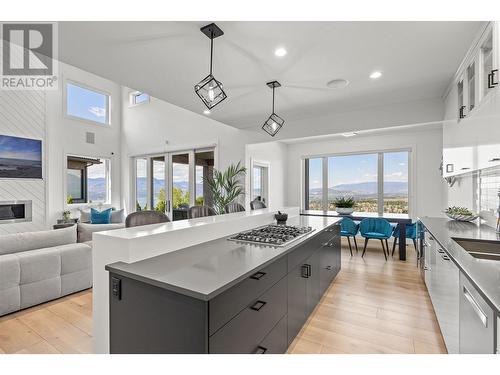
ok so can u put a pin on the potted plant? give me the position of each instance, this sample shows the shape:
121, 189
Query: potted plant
344, 205
226, 186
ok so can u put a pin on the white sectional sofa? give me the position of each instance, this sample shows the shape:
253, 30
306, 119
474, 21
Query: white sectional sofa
36, 267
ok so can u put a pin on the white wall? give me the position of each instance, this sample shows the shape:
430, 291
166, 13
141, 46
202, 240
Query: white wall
427, 187
22, 114
40, 115
275, 154
159, 127
67, 136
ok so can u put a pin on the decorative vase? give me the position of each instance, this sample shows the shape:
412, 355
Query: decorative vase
345, 210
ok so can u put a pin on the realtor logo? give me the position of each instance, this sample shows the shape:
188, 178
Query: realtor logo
28, 56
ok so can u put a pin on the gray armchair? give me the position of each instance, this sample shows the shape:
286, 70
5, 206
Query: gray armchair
200, 211
139, 218
257, 205
233, 207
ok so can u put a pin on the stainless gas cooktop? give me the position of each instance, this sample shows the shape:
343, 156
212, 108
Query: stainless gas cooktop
272, 235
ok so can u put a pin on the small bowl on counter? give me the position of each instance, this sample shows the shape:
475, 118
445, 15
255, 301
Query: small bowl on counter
459, 217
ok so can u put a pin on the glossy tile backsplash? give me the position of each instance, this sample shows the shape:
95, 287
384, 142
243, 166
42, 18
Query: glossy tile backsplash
489, 185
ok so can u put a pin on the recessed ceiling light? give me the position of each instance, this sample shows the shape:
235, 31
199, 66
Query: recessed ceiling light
338, 83
280, 52
375, 75
350, 134
206, 112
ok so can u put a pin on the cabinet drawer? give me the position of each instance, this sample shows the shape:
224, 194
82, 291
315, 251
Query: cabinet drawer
247, 330
226, 305
275, 341
306, 249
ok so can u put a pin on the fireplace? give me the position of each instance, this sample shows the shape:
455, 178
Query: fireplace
15, 211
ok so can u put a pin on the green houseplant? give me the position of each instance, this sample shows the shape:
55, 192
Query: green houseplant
344, 205
226, 186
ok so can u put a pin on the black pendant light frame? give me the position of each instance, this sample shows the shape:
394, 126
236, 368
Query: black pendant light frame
209, 83
268, 126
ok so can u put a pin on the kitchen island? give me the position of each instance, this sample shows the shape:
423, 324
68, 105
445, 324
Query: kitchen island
223, 296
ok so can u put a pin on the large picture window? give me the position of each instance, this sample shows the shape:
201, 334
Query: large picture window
87, 180
378, 181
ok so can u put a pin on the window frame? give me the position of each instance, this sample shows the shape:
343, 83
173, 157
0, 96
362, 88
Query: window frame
132, 98
108, 170
89, 88
380, 177
264, 181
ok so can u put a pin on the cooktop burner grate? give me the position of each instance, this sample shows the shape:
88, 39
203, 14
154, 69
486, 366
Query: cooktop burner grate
274, 235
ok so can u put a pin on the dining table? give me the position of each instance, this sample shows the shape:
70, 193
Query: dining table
401, 219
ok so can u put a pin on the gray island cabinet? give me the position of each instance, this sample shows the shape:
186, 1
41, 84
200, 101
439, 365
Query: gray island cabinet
258, 306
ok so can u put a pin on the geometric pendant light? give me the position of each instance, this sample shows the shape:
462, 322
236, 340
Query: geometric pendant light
274, 123
209, 89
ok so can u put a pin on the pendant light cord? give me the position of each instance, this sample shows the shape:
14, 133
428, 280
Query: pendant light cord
273, 98
211, 50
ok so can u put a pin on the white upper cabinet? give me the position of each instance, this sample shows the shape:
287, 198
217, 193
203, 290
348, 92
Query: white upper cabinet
471, 130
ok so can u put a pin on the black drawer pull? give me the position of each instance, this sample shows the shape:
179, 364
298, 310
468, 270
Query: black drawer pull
258, 275
308, 268
328, 268
260, 350
304, 272
258, 305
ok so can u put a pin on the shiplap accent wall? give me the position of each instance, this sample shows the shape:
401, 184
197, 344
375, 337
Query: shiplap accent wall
22, 114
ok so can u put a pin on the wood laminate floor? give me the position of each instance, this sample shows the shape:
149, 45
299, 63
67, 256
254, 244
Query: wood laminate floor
373, 306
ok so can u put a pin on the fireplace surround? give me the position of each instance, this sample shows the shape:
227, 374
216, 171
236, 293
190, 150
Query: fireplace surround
15, 211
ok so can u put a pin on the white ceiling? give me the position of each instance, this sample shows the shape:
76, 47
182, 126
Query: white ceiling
166, 60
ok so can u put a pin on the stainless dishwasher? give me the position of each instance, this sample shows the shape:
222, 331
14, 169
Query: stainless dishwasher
477, 323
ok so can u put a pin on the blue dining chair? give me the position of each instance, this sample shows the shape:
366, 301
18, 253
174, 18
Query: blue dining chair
411, 232
376, 228
348, 228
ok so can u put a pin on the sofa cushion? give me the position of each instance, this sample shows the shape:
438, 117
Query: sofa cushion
40, 291
100, 217
75, 257
10, 300
85, 231
118, 216
39, 265
76, 281
18, 242
10, 272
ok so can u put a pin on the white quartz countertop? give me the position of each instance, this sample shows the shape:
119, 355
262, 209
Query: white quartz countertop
154, 229
206, 270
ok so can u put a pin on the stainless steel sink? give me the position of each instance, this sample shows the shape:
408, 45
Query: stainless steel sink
481, 249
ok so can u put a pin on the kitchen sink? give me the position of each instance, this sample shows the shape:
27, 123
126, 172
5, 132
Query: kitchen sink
481, 249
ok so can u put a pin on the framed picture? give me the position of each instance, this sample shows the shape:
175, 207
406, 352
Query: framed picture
20, 157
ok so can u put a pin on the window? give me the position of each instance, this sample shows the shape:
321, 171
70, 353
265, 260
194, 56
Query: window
87, 104
377, 181
204, 168
158, 184
396, 182
356, 176
260, 181
314, 185
139, 98
87, 180
141, 184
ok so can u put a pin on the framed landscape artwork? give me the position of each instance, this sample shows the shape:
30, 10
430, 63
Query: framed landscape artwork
20, 157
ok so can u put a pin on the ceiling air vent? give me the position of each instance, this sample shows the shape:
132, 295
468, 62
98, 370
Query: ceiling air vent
90, 137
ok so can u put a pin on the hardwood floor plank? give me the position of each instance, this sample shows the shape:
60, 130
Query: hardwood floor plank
59, 333
14, 336
42, 347
373, 306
